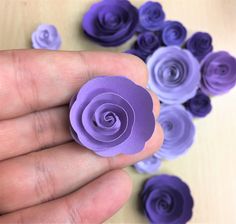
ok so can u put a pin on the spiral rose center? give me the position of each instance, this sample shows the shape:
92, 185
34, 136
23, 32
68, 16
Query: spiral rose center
44, 35
222, 69
164, 203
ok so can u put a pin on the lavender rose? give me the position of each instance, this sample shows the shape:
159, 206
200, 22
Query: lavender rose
167, 199
174, 74
218, 73
110, 23
46, 37
149, 165
199, 105
200, 44
112, 115
173, 33
179, 131
151, 16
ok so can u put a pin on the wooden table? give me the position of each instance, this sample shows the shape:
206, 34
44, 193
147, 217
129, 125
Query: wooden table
210, 166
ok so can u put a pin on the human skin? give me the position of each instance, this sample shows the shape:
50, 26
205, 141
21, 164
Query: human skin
45, 177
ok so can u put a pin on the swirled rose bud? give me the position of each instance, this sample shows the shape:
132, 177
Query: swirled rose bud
149, 165
137, 52
151, 16
218, 73
174, 74
167, 200
179, 131
199, 105
200, 44
112, 115
110, 23
173, 33
46, 37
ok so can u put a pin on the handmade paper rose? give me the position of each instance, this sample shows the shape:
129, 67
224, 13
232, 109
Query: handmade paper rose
199, 105
149, 165
218, 73
112, 115
137, 53
151, 16
200, 44
46, 37
174, 74
179, 131
110, 22
167, 200
173, 33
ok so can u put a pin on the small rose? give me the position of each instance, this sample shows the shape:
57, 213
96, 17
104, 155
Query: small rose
46, 37
167, 199
149, 165
112, 115
218, 73
110, 22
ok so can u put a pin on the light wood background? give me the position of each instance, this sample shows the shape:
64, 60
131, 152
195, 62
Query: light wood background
210, 166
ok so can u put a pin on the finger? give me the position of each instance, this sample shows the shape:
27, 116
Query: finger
33, 80
91, 204
49, 174
156, 103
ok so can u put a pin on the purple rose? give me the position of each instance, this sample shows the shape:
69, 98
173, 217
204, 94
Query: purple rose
151, 16
149, 165
218, 73
200, 44
174, 74
110, 22
167, 200
179, 131
46, 37
112, 115
137, 53
199, 105
173, 33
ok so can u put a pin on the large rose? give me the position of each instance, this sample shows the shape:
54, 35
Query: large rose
218, 73
110, 22
149, 165
167, 199
46, 37
174, 74
112, 115
179, 131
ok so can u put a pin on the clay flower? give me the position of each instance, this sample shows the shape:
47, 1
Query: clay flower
151, 16
110, 22
218, 73
46, 37
199, 105
200, 44
174, 74
112, 115
179, 131
167, 200
173, 33
149, 165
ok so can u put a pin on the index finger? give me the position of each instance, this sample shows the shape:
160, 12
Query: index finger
32, 80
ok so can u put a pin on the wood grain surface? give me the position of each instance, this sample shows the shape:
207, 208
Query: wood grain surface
210, 166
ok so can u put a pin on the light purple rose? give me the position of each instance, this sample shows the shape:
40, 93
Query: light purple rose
167, 200
179, 131
46, 37
174, 74
112, 115
218, 73
149, 165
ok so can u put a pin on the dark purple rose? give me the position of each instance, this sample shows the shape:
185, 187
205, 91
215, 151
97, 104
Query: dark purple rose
149, 165
199, 105
137, 53
112, 115
218, 73
173, 33
200, 44
167, 200
110, 22
46, 37
179, 131
174, 74
151, 16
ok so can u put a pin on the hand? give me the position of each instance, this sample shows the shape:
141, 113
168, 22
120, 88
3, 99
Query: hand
44, 176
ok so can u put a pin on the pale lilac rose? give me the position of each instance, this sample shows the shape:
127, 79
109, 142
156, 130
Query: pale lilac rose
149, 165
